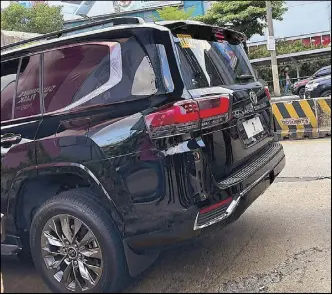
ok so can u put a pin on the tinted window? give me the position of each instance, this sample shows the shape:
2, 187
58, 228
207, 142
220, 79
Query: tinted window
27, 102
323, 72
103, 73
136, 75
73, 72
8, 80
206, 64
144, 80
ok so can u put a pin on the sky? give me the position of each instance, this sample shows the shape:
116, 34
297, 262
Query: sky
4, 4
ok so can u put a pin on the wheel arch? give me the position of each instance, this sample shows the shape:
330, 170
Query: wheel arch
29, 192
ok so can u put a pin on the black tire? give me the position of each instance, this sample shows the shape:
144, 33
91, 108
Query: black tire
301, 92
79, 204
326, 93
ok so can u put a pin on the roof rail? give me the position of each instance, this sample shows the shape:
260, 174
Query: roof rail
115, 20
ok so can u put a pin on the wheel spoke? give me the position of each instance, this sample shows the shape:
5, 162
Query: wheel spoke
85, 273
96, 269
53, 240
66, 273
51, 262
66, 228
91, 253
54, 253
77, 282
63, 276
54, 227
88, 238
77, 227
71, 285
57, 263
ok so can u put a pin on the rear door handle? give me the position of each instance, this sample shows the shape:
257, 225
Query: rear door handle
9, 139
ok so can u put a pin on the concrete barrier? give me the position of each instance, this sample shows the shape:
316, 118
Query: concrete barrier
301, 118
285, 98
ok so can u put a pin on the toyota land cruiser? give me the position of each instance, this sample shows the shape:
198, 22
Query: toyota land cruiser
120, 141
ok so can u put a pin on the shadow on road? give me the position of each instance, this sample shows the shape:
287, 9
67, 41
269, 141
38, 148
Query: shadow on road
196, 254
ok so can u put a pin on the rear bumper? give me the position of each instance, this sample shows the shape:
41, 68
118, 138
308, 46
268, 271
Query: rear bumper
245, 190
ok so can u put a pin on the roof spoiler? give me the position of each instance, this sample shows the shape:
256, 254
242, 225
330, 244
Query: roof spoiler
116, 22
203, 30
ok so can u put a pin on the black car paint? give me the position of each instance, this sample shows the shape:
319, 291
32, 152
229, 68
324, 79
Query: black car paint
324, 84
153, 199
297, 86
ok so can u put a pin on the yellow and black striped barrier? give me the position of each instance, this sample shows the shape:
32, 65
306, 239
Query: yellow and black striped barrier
297, 119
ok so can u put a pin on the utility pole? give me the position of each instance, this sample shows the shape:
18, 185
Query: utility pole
274, 64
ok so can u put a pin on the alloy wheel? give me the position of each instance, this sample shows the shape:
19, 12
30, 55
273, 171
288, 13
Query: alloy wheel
71, 253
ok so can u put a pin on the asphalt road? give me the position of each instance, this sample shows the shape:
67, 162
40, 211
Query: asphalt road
281, 244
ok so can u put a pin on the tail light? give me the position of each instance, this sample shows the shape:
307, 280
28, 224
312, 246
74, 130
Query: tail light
213, 111
267, 92
187, 116
182, 117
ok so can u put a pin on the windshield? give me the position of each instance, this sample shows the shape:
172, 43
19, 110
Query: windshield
208, 64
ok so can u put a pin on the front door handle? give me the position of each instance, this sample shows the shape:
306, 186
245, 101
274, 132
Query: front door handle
9, 139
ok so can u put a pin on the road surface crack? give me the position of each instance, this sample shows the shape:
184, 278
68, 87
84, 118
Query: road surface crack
294, 266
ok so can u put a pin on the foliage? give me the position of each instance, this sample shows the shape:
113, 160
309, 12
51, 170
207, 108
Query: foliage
248, 17
174, 13
40, 18
282, 47
307, 68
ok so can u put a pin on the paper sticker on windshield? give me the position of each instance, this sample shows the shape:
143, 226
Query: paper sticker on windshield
186, 41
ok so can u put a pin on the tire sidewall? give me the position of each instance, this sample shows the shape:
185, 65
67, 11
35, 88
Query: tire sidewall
326, 93
109, 242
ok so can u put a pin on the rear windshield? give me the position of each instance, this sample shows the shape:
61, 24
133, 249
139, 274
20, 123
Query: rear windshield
207, 64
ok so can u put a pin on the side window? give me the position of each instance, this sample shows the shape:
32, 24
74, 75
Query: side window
8, 83
323, 72
144, 80
27, 101
73, 72
131, 72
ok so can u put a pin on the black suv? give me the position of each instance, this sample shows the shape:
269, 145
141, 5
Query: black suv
121, 141
320, 87
298, 88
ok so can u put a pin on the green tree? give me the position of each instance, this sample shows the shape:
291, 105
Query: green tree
174, 13
40, 18
248, 17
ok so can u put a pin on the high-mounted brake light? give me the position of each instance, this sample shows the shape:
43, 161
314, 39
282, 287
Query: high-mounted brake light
187, 116
267, 92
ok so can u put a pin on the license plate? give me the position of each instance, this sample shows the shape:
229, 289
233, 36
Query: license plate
253, 127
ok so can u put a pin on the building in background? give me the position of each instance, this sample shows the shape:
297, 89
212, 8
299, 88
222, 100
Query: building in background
98, 10
145, 9
309, 20
72, 10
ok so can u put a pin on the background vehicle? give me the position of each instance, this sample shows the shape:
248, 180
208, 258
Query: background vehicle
298, 88
320, 87
113, 149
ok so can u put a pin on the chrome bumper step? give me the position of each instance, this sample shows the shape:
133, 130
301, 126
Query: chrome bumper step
252, 167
